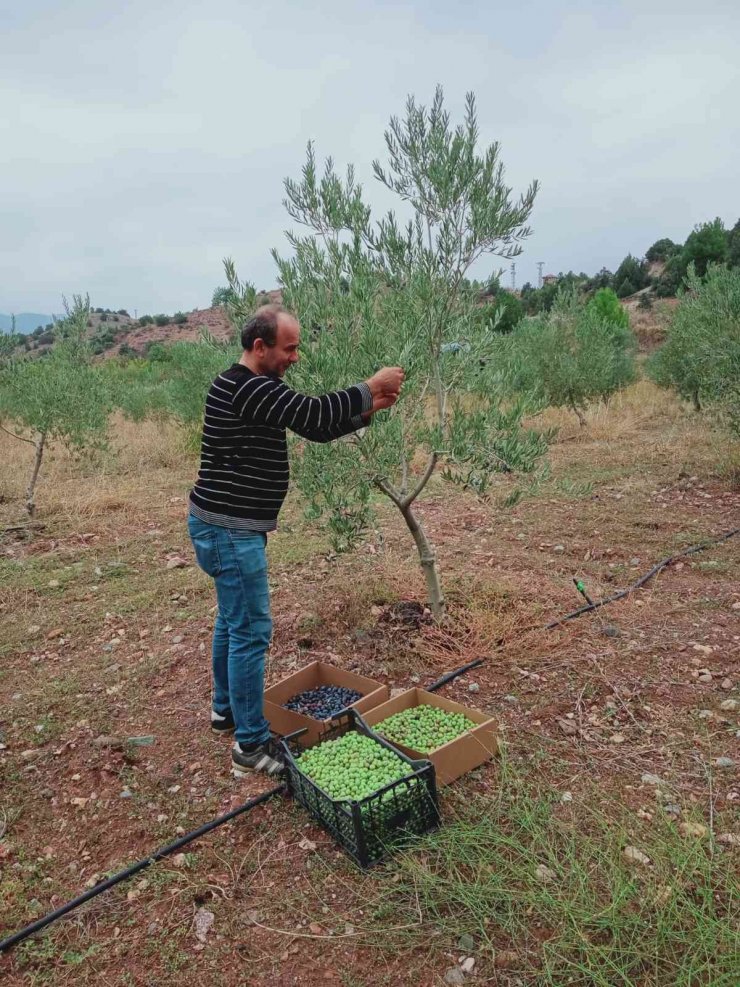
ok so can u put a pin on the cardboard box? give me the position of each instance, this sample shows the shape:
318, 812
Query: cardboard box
456, 757
285, 721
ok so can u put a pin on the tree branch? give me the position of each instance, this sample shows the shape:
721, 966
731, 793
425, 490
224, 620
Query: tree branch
389, 490
408, 501
21, 438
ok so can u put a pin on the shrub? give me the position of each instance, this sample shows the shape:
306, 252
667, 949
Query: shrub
179, 318
222, 297
701, 355
605, 304
146, 320
103, 316
161, 320
501, 314
122, 311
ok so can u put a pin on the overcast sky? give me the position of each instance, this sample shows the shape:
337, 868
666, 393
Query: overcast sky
144, 141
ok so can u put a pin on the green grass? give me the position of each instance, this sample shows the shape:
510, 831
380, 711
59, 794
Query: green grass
600, 922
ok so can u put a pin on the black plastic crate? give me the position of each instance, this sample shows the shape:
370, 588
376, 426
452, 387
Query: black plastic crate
370, 828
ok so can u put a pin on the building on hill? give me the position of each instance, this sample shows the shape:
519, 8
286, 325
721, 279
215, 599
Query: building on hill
549, 278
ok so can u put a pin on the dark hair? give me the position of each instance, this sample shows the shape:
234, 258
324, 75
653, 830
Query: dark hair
263, 325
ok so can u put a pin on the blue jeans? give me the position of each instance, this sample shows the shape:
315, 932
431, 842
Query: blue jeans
238, 564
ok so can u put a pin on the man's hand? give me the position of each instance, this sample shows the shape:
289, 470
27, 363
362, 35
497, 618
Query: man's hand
384, 383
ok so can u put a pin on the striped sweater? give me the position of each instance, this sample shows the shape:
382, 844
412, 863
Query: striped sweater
243, 476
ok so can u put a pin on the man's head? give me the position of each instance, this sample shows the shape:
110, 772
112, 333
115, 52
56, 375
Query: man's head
271, 338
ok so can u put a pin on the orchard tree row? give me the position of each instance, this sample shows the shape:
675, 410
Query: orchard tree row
384, 290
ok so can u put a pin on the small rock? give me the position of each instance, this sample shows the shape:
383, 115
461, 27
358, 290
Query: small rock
466, 942
454, 976
544, 874
728, 705
177, 639
125, 794
729, 839
617, 738
566, 797
634, 856
705, 714
705, 677
726, 684
104, 740
177, 563
634, 561
510, 699
473, 687
56, 632
692, 829
144, 741
179, 860
705, 649
53, 584
725, 762
736, 605
611, 631
467, 966
203, 923
672, 809
648, 779
558, 549
568, 728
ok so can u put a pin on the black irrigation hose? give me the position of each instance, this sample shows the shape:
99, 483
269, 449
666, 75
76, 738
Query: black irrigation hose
642, 580
594, 606
454, 674
165, 851
140, 865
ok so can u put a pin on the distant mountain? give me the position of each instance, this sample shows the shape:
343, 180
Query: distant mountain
24, 321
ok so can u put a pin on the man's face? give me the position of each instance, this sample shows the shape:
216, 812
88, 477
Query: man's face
275, 360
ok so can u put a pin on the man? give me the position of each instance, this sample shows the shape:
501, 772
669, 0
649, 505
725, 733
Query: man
241, 485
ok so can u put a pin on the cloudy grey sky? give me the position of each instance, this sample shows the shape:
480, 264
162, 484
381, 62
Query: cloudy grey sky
144, 141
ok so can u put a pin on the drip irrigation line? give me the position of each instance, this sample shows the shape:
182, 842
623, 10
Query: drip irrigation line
140, 865
454, 674
592, 605
642, 580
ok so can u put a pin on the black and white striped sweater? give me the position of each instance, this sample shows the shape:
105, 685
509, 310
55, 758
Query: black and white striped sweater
243, 476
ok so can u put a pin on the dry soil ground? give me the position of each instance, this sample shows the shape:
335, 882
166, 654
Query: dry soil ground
102, 641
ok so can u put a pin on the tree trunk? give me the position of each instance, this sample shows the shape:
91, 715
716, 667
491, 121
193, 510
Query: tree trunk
427, 558
696, 401
30, 504
428, 562
579, 413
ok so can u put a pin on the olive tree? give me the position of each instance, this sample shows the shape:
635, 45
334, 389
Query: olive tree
701, 355
572, 355
60, 395
396, 291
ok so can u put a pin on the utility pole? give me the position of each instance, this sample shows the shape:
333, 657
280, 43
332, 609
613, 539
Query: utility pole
513, 277
540, 265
